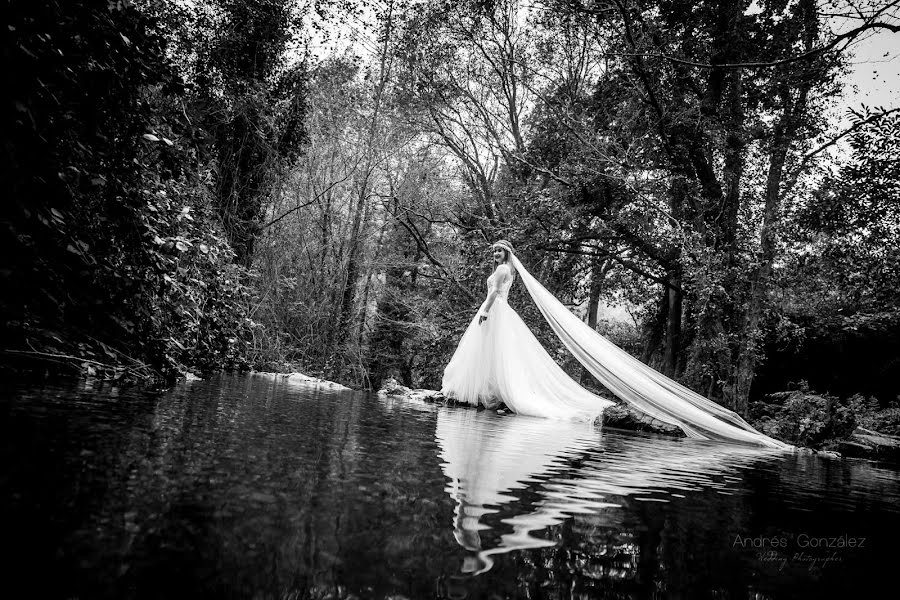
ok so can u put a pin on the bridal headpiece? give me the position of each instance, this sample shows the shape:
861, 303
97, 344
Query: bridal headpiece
503, 244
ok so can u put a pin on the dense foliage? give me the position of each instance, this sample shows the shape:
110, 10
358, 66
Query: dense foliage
837, 314
115, 257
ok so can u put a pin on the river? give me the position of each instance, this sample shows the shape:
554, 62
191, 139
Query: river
260, 487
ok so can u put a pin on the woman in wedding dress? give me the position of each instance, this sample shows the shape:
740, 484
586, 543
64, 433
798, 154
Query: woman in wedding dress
499, 360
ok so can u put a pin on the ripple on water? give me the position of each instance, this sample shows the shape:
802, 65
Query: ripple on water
268, 487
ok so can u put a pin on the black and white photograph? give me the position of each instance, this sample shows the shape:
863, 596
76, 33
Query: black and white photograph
450, 299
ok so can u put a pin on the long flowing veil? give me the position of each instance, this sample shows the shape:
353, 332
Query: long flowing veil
637, 384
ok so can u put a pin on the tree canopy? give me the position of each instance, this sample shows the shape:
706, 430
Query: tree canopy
314, 185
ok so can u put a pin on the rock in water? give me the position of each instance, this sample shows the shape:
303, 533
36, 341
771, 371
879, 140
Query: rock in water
621, 416
865, 443
392, 387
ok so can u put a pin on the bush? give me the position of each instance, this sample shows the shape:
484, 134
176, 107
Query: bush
870, 415
803, 417
113, 257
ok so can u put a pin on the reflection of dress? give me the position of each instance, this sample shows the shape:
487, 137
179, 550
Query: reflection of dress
500, 360
537, 473
490, 460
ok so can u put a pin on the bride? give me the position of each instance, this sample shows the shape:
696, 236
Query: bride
499, 360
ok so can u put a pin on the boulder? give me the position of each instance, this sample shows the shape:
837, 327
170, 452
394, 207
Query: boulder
828, 454
852, 449
866, 443
316, 381
302, 378
392, 387
430, 396
621, 416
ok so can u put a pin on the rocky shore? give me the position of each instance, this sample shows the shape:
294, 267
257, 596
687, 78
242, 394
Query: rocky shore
865, 443
862, 443
290, 377
618, 417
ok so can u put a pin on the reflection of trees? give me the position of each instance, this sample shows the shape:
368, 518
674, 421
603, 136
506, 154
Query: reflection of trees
257, 487
262, 487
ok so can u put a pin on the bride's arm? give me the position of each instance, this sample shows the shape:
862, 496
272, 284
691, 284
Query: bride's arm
500, 275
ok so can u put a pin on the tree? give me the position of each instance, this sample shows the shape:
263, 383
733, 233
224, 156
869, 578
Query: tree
837, 311
112, 262
248, 92
665, 138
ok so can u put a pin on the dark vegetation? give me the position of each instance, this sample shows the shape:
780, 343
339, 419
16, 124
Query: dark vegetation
230, 185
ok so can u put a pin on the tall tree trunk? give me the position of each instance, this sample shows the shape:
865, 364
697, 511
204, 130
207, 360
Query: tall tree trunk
348, 296
733, 171
367, 282
759, 285
598, 274
654, 331
760, 281
674, 297
795, 107
239, 195
353, 259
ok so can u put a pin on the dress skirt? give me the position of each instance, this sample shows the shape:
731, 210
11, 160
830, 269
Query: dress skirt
501, 361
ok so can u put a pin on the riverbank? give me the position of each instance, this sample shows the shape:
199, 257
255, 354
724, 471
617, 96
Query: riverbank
814, 423
296, 376
840, 435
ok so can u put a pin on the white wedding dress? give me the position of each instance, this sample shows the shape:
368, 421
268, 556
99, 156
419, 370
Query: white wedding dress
500, 360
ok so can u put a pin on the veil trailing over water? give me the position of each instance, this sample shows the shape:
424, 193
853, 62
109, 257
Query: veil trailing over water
634, 382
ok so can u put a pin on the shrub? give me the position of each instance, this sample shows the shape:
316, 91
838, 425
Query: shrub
803, 417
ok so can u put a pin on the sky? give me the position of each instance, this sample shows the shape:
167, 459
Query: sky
876, 72
874, 79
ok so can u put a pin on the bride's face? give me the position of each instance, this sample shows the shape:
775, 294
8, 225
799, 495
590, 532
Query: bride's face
499, 255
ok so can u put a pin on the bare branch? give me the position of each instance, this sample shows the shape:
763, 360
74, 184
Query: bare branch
845, 133
628, 264
847, 36
423, 246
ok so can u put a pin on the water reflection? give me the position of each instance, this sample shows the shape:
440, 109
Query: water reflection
490, 461
264, 487
512, 478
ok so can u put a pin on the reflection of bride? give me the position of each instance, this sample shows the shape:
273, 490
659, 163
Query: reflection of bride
537, 473
499, 360
490, 459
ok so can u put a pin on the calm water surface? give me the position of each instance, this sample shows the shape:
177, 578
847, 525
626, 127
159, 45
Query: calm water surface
259, 487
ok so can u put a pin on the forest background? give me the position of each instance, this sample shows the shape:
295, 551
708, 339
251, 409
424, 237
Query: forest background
313, 186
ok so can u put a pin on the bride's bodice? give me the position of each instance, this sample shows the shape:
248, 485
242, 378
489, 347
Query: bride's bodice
500, 281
